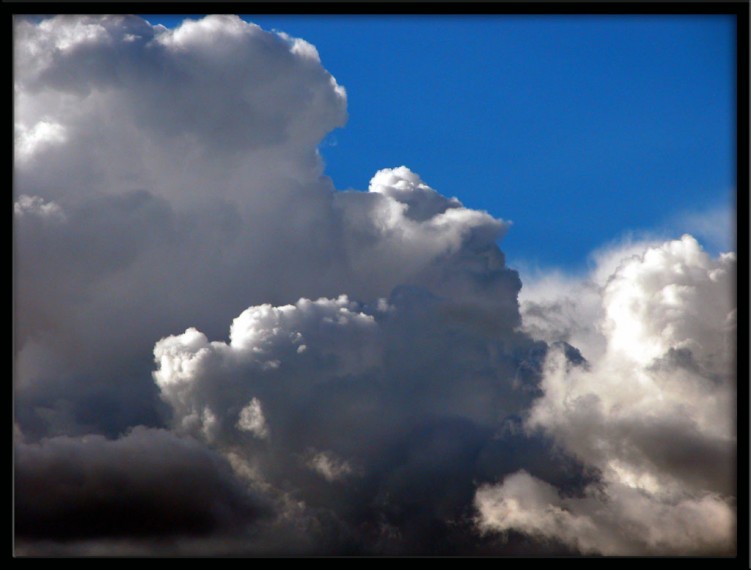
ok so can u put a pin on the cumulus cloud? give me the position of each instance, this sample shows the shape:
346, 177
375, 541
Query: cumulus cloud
355, 375
653, 412
183, 151
193, 189
386, 397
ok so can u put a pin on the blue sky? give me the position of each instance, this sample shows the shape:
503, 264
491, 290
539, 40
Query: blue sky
579, 129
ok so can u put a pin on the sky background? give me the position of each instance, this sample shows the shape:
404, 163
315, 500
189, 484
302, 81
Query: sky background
607, 124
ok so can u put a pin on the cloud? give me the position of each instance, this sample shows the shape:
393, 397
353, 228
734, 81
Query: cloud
176, 175
252, 419
264, 341
30, 140
653, 412
385, 397
192, 189
329, 466
148, 484
618, 520
355, 374
36, 206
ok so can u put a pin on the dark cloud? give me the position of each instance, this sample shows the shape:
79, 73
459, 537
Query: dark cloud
148, 484
385, 418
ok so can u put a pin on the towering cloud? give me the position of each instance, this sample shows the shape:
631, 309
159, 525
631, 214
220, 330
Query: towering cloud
355, 375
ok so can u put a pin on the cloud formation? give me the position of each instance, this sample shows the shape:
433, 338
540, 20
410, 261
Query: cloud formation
192, 188
379, 390
184, 150
383, 400
653, 412
149, 484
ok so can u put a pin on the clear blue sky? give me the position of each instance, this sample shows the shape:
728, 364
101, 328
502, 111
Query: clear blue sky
576, 128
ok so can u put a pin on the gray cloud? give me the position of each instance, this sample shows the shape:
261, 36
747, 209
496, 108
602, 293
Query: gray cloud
147, 484
384, 416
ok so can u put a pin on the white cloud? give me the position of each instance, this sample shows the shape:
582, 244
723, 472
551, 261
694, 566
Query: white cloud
31, 140
617, 520
34, 205
653, 412
329, 466
208, 33
199, 378
252, 419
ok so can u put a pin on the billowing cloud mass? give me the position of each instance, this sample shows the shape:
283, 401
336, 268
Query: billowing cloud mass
219, 353
651, 408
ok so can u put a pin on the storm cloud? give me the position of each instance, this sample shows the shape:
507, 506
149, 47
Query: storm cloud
149, 483
219, 353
